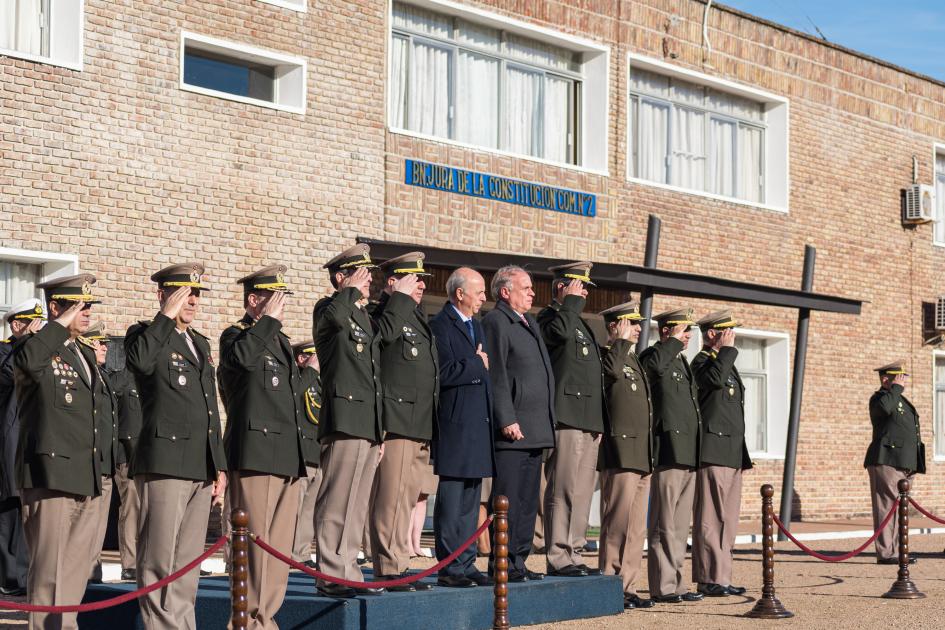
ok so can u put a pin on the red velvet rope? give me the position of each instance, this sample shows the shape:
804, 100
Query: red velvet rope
121, 599
381, 584
845, 556
925, 512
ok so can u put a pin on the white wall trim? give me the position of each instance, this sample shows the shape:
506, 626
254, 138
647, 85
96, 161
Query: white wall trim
707, 195
778, 395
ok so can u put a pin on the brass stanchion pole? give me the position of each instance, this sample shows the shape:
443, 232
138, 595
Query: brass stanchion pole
904, 587
768, 606
239, 571
500, 547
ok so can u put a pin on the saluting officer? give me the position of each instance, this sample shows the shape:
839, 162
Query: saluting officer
349, 427
579, 409
59, 470
677, 428
723, 457
262, 389
896, 452
410, 375
311, 403
626, 452
179, 462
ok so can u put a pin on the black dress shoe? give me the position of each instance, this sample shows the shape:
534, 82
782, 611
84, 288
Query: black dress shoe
454, 581
635, 601
515, 577
736, 590
336, 590
667, 599
569, 571
692, 597
714, 590
589, 570
403, 588
14, 591
204, 573
912, 560
532, 575
369, 591
481, 579
310, 564
129, 574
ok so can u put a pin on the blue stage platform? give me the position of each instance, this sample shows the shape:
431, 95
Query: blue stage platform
548, 600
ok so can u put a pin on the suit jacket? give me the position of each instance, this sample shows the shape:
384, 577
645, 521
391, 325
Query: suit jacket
628, 439
677, 422
129, 413
180, 434
311, 403
410, 373
462, 441
722, 404
575, 357
262, 388
523, 382
55, 449
10, 427
349, 354
897, 440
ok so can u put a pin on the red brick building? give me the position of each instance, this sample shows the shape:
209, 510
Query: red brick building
240, 132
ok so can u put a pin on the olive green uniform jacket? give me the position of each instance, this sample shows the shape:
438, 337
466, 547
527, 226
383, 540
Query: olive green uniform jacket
349, 355
627, 443
576, 361
312, 405
180, 433
722, 403
897, 440
677, 423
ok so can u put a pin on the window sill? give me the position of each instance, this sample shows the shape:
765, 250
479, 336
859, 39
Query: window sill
509, 154
767, 456
288, 4
939, 244
697, 193
242, 99
71, 65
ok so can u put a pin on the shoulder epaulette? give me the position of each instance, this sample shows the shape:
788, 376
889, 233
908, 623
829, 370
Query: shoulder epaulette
241, 325
197, 332
145, 322
4, 341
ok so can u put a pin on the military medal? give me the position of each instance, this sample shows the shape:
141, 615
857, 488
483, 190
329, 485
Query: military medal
633, 386
584, 350
69, 397
181, 380
414, 351
275, 381
359, 347
56, 372
731, 391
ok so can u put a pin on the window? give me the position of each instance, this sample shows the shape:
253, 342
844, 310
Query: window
939, 432
699, 134
47, 31
242, 73
461, 80
940, 197
17, 283
752, 366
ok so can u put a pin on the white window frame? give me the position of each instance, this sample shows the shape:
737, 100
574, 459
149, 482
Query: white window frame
938, 149
776, 138
54, 265
593, 108
66, 36
300, 6
936, 354
255, 55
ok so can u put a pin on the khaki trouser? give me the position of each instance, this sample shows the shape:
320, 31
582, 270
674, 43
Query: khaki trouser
348, 466
538, 538
623, 502
60, 530
127, 517
671, 493
172, 531
884, 493
101, 524
305, 527
718, 502
397, 483
272, 503
572, 467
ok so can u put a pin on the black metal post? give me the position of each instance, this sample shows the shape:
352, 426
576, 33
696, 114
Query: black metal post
797, 392
649, 261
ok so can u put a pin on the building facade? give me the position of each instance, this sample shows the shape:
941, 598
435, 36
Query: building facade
243, 132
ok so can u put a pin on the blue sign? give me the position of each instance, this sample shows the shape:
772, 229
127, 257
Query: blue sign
485, 186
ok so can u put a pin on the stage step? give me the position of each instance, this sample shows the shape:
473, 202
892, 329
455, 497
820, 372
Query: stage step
548, 600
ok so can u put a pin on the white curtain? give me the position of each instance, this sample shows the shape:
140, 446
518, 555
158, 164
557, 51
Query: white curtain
17, 283
522, 132
750, 160
940, 406
477, 100
557, 118
652, 120
940, 203
751, 364
397, 86
422, 21
722, 179
429, 91
533, 51
478, 36
20, 26
688, 159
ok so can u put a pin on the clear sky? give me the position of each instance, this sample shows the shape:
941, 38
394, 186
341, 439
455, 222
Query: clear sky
908, 33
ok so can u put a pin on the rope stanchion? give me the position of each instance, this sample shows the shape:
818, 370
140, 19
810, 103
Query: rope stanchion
120, 599
768, 605
500, 507
926, 513
239, 571
903, 587
842, 557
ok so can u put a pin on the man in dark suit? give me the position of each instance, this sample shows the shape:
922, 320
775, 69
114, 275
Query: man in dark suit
723, 456
262, 386
311, 403
462, 442
523, 389
23, 319
896, 452
179, 461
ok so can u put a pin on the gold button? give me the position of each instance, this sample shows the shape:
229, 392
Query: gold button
94, 449
350, 397
210, 412
265, 430
173, 438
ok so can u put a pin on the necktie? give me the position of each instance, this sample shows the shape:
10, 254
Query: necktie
190, 344
472, 331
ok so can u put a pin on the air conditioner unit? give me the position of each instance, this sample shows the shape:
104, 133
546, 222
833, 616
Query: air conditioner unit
920, 204
940, 313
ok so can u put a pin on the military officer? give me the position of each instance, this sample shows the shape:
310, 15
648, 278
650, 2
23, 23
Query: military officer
129, 426
676, 428
59, 470
723, 456
626, 453
262, 388
179, 462
23, 319
896, 452
311, 403
349, 427
579, 409
410, 376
